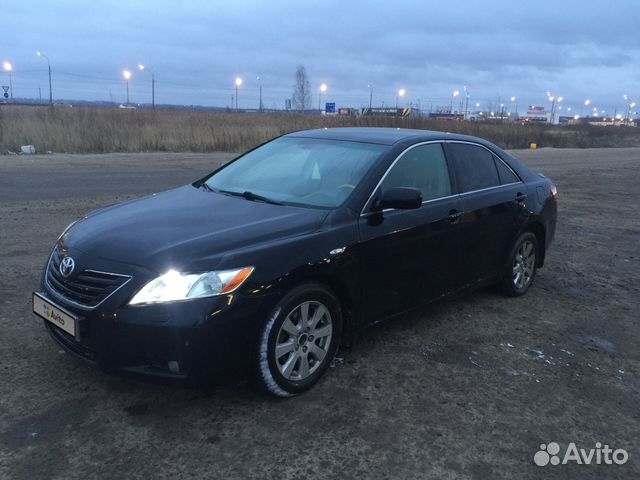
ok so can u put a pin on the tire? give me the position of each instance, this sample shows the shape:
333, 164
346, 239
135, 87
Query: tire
298, 340
521, 268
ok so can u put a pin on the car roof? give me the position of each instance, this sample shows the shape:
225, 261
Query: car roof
381, 136
391, 136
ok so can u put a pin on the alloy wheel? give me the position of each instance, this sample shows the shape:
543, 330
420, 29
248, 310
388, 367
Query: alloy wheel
303, 340
524, 264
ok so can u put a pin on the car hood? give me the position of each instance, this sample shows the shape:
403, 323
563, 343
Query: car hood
186, 228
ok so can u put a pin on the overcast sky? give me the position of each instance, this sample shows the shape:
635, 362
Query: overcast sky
498, 49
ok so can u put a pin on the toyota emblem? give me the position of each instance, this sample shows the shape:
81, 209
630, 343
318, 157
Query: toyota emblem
66, 266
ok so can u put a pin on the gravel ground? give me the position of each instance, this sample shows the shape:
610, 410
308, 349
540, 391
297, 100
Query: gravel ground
466, 388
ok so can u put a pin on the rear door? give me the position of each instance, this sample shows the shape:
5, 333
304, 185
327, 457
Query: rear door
492, 200
410, 256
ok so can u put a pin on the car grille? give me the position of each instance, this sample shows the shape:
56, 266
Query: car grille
87, 288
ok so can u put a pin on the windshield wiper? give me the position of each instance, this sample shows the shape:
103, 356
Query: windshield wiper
252, 196
206, 187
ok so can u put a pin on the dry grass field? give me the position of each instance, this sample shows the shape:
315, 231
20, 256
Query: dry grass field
107, 130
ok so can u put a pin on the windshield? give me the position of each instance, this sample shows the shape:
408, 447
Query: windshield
299, 171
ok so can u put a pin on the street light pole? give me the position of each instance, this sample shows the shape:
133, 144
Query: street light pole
9, 68
454, 94
466, 103
127, 75
323, 88
238, 83
370, 96
627, 109
40, 54
401, 93
153, 85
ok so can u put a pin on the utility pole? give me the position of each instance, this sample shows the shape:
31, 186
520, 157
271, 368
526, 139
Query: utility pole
40, 93
261, 107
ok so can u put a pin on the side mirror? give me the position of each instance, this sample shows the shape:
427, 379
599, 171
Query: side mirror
401, 198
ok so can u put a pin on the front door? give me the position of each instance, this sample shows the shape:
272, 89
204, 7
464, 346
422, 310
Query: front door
410, 257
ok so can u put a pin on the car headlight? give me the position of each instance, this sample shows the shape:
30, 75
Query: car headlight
174, 285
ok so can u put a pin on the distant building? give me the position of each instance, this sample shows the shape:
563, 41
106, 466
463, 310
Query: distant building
536, 114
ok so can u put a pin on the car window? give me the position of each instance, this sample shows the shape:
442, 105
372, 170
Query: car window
505, 173
475, 167
300, 171
423, 167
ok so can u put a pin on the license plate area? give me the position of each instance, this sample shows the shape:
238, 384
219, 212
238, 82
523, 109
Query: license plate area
51, 312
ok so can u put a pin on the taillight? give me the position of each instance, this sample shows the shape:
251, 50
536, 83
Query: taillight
554, 192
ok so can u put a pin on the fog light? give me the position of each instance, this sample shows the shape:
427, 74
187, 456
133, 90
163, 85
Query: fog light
174, 367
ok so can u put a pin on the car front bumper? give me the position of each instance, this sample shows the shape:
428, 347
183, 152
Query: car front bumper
212, 337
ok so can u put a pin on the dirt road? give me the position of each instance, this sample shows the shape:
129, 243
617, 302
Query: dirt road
466, 388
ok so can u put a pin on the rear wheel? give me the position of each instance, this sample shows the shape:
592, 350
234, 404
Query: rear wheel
522, 268
299, 340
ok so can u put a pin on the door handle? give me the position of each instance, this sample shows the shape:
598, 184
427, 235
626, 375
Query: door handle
521, 197
454, 215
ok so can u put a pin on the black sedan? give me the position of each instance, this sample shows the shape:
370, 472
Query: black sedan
264, 267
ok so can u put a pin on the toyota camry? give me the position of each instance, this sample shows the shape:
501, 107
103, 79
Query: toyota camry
263, 268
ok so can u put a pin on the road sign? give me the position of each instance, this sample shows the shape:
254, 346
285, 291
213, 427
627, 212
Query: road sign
330, 107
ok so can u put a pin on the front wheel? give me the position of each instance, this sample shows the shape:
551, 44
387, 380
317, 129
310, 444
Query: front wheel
521, 269
299, 340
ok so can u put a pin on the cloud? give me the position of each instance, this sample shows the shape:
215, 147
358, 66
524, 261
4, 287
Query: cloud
195, 49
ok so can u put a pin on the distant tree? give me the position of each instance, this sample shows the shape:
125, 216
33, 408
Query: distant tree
301, 90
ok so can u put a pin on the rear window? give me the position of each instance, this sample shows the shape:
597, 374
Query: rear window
475, 167
505, 173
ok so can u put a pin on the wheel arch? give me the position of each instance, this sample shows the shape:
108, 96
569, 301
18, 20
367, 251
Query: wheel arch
340, 290
538, 229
